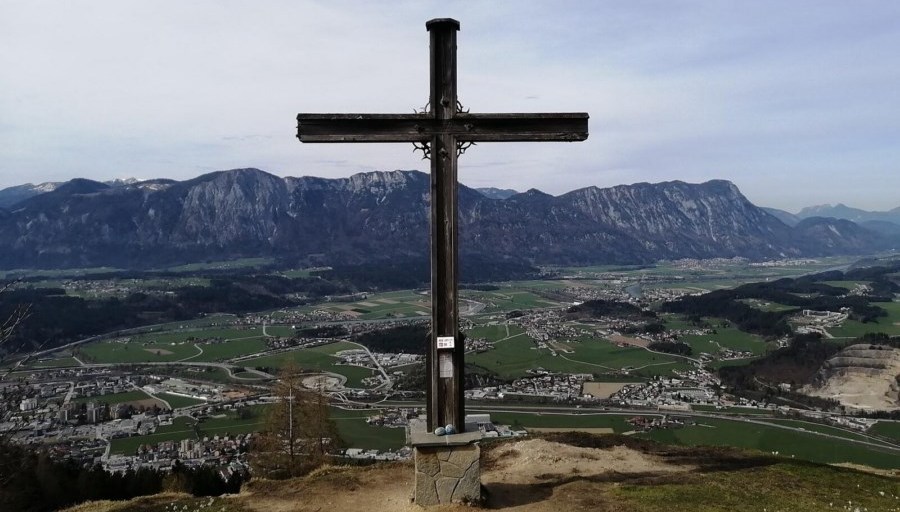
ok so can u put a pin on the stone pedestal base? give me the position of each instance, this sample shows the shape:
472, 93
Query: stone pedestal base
448, 474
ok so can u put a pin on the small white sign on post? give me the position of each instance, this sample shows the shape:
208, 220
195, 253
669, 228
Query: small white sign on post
445, 342
445, 365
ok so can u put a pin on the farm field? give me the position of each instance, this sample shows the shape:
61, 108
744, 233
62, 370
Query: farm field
766, 305
508, 299
726, 337
182, 344
220, 265
818, 427
178, 401
512, 357
494, 332
356, 433
849, 285
351, 425
889, 324
887, 429
181, 428
617, 422
203, 373
52, 363
317, 359
635, 359
404, 303
135, 397
716, 432
115, 352
732, 410
229, 349
192, 335
230, 424
853, 329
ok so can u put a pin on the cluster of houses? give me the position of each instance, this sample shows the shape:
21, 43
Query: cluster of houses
696, 386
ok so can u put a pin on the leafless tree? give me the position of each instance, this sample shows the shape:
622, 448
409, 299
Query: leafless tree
298, 433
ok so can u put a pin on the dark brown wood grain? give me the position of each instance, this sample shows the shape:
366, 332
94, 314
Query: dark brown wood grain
422, 127
442, 128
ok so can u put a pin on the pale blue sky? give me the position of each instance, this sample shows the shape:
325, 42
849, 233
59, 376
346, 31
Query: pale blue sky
797, 102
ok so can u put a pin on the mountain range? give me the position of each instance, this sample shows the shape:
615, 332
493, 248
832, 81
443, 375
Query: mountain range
384, 215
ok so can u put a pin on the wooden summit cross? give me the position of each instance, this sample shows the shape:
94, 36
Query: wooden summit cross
443, 132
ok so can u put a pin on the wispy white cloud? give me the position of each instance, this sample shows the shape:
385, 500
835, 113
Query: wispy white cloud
794, 101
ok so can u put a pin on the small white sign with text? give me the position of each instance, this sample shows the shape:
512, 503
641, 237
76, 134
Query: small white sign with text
445, 342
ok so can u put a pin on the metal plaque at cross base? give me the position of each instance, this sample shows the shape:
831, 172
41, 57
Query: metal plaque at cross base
443, 131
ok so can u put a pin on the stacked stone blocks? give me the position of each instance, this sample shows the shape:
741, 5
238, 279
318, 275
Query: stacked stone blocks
448, 474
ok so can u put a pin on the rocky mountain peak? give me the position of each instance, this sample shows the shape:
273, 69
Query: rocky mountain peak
249, 212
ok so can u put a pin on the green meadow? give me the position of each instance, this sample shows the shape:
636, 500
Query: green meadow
125, 397
725, 337
802, 445
319, 358
887, 429
178, 401
115, 352
512, 357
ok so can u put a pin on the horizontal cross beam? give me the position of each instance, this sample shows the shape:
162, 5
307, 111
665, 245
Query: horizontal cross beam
422, 127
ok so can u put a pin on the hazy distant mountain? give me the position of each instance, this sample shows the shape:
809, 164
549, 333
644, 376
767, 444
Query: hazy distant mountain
837, 236
496, 193
787, 217
12, 195
841, 211
882, 226
384, 215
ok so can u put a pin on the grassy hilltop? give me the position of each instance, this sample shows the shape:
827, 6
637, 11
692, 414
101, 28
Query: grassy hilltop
573, 472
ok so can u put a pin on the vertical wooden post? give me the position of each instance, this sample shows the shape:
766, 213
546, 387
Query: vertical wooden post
445, 376
443, 128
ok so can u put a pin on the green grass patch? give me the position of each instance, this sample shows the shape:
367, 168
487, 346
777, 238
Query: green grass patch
52, 363
231, 424
802, 445
787, 486
230, 349
356, 433
824, 429
494, 332
725, 337
317, 359
397, 304
134, 395
854, 329
15, 274
766, 305
887, 429
889, 324
291, 274
198, 335
284, 331
508, 299
114, 352
512, 357
178, 401
617, 422
848, 285
222, 265
181, 428
731, 410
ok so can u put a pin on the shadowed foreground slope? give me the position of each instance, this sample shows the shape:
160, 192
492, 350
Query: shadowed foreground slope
574, 472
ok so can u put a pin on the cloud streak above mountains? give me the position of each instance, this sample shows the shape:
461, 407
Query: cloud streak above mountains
795, 102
